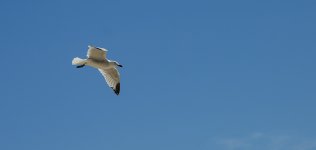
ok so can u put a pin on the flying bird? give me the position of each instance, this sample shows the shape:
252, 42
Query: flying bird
96, 58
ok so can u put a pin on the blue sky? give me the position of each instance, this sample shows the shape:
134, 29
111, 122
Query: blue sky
197, 75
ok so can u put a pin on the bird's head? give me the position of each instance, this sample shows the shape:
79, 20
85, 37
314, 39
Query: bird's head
117, 64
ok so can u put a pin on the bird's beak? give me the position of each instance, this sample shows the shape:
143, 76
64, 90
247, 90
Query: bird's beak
120, 65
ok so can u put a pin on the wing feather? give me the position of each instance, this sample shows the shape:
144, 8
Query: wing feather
112, 78
96, 53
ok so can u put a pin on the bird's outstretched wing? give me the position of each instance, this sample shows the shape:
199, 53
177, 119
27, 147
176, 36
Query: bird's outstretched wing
112, 78
96, 53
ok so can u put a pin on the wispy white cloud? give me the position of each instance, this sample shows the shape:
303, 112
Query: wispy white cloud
261, 141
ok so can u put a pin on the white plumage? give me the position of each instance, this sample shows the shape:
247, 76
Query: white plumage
96, 57
78, 61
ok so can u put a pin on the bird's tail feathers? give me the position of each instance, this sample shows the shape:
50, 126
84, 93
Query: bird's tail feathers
78, 61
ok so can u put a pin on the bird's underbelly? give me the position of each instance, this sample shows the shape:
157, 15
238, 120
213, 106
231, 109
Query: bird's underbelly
98, 64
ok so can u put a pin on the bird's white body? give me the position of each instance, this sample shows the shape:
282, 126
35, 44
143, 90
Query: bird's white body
99, 64
105, 64
97, 59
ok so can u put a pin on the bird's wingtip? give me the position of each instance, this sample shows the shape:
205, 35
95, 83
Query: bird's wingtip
99, 48
117, 89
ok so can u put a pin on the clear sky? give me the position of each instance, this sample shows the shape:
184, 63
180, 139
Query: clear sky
197, 75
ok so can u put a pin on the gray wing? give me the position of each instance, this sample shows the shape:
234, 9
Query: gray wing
96, 53
112, 78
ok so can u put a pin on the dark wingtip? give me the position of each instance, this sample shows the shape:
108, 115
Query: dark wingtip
99, 48
120, 65
117, 89
80, 66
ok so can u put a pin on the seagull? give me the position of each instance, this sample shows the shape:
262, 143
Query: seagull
96, 58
